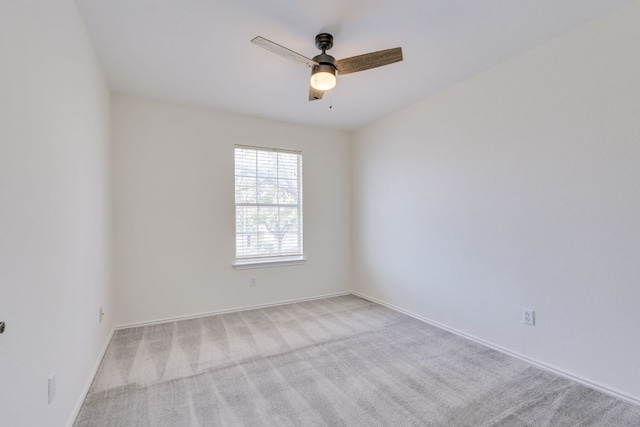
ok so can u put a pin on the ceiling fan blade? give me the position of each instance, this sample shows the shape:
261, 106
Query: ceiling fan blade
368, 60
283, 51
315, 94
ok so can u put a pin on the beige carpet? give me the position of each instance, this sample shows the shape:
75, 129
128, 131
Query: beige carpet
340, 361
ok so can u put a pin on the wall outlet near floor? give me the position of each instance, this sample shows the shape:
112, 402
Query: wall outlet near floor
252, 281
101, 314
528, 317
52, 387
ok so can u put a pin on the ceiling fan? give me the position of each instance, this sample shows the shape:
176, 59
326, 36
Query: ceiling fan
324, 66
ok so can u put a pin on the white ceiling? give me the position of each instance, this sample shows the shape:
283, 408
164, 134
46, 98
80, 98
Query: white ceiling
198, 52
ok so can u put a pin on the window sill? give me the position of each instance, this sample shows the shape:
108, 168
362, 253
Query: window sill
256, 263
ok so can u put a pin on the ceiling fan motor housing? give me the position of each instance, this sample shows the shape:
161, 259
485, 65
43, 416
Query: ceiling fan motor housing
323, 68
323, 58
325, 64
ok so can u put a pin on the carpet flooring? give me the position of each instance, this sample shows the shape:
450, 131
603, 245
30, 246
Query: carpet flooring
340, 361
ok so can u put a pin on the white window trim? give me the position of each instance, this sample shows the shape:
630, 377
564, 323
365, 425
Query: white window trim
268, 262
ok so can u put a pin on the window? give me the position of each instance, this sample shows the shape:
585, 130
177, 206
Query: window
268, 205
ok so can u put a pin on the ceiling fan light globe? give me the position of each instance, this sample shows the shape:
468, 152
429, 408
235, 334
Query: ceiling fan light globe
323, 77
323, 81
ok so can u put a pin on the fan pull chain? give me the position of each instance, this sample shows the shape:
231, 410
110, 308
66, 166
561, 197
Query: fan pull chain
331, 99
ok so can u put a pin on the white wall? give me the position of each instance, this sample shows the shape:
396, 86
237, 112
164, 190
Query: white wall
175, 215
55, 204
519, 187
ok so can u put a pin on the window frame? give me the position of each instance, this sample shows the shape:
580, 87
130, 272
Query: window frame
270, 260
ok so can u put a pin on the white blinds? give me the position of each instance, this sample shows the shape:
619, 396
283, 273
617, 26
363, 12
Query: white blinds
268, 203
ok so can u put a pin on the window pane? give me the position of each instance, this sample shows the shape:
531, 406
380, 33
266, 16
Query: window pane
267, 164
267, 191
288, 222
288, 166
287, 191
268, 196
245, 162
245, 189
246, 229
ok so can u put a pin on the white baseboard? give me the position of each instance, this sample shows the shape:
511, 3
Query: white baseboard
232, 310
94, 372
541, 365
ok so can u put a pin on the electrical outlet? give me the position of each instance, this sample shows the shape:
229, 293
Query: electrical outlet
252, 281
101, 314
52, 387
528, 317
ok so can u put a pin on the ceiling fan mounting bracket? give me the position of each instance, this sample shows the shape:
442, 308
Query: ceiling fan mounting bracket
324, 41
